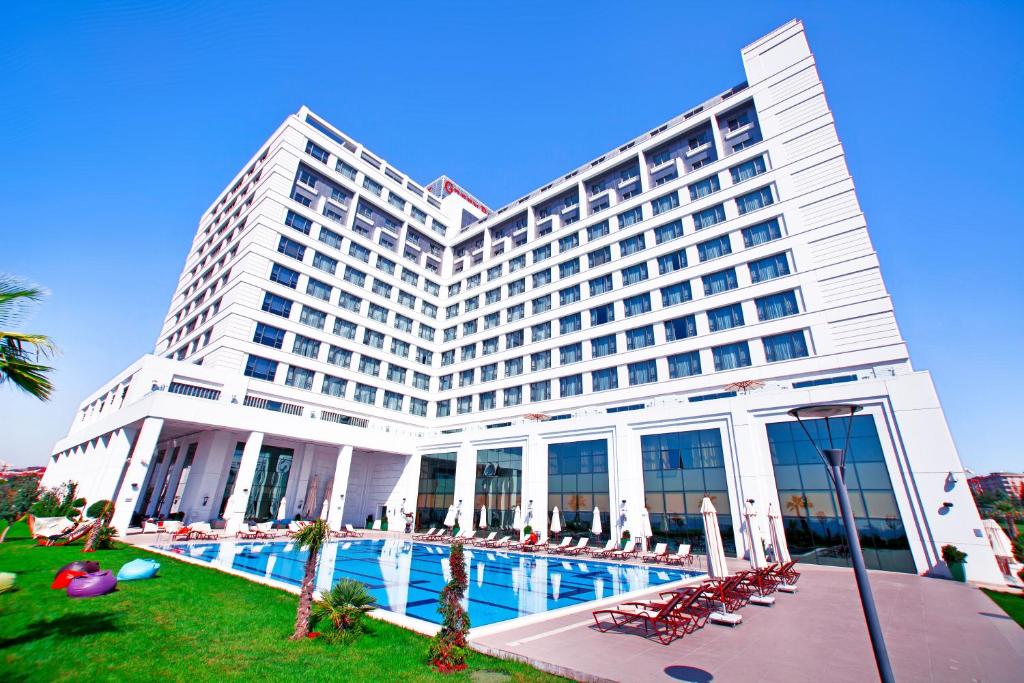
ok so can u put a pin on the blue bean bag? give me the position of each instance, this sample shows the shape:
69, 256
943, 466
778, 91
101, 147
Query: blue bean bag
138, 569
92, 585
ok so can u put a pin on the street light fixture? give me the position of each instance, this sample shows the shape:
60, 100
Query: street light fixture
835, 459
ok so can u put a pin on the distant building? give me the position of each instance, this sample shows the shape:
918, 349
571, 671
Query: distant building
9, 471
1010, 483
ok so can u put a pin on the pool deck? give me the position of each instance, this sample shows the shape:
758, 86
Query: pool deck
936, 630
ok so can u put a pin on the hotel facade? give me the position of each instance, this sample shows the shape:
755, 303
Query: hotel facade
346, 342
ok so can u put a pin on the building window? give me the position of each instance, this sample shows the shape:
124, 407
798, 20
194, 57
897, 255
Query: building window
675, 294
349, 302
725, 318
464, 404
260, 368
542, 304
570, 386
568, 296
378, 313
418, 406
344, 328
665, 203
316, 151
666, 233
758, 199
769, 268
731, 356
631, 217
359, 251
670, 263
680, 470
512, 396
443, 409
571, 353
393, 400
640, 337
570, 323
339, 356
333, 386
300, 223
542, 277
300, 378
330, 238
499, 482
704, 188
644, 372
540, 391
708, 217
277, 305
514, 367
369, 366
366, 394
284, 276
597, 230
632, 245
489, 373
605, 379
569, 268
776, 306
291, 248
599, 257
748, 170
421, 381
602, 314
600, 285
320, 290
514, 339
304, 346
634, 274
684, 365
603, 346
636, 305
446, 382
712, 249
396, 373
268, 336
540, 361
785, 346
813, 526
722, 281
542, 253
681, 328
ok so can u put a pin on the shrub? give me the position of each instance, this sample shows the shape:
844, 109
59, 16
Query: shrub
625, 535
59, 502
343, 607
105, 537
953, 555
527, 530
448, 648
99, 509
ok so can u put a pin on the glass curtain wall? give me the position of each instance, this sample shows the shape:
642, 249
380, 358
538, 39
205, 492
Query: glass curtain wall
577, 482
680, 469
229, 484
269, 483
499, 486
436, 490
810, 511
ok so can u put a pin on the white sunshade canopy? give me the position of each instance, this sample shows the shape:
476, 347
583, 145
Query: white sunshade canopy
754, 544
717, 567
778, 534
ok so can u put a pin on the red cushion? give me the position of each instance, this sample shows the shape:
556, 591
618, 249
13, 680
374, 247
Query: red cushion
64, 578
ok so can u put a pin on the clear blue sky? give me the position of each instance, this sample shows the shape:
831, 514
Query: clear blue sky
120, 123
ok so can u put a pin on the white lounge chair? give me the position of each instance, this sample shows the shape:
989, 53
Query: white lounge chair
598, 552
487, 539
628, 550
430, 532
659, 553
149, 527
580, 547
351, 531
562, 545
681, 556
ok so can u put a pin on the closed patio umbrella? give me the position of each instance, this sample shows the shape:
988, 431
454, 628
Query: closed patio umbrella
310, 503
717, 568
324, 509
449, 519
780, 550
595, 526
646, 520
282, 509
556, 522
517, 521
756, 548
483, 516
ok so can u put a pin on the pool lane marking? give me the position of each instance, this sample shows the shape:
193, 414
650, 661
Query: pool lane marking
552, 632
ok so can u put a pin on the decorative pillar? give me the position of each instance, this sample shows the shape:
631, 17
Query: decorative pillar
234, 514
130, 487
336, 506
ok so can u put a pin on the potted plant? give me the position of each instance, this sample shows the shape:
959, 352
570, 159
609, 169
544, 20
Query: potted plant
955, 559
625, 538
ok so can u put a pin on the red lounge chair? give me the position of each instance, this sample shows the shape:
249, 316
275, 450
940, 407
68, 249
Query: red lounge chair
729, 591
666, 622
69, 536
787, 573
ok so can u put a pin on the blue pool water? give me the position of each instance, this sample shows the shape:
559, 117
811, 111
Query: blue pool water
407, 577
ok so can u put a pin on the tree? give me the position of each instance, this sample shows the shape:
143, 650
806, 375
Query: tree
1009, 512
16, 498
448, 648
20, 352
60, 501
311, 537
101, 511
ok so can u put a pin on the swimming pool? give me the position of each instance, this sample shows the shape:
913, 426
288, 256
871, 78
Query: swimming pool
406, 577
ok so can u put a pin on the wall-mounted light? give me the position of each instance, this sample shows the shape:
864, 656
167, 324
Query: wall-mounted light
750, 500
134, 485
341, 496
206, 499
947, 505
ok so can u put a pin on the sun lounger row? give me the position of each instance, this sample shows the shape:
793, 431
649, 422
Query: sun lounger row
680, 612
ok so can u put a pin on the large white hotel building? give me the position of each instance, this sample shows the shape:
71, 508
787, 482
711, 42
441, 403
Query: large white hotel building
630, 334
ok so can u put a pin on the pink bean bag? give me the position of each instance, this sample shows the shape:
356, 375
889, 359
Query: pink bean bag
92, 585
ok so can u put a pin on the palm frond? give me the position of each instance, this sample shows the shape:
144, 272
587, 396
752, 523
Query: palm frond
42, 346
15, 296
28, 376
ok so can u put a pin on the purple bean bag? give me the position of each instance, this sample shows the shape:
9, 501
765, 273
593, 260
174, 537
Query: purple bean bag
85, 566
92, 585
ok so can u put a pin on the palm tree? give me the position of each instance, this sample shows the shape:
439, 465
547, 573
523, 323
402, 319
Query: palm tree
20, 352
1009, 511
312, 537
797, 503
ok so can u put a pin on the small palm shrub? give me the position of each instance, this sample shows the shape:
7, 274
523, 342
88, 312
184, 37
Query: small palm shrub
105, 537
342, 608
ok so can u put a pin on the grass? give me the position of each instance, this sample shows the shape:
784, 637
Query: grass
190, 623
1011, 603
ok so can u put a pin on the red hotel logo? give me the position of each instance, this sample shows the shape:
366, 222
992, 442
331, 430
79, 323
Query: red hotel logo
452, 188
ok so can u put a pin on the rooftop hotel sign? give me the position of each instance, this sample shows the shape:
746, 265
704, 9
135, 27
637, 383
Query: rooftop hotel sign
445, 186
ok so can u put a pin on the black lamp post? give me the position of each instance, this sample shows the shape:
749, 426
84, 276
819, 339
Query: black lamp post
834, 459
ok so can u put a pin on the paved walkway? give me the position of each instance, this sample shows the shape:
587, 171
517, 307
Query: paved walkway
935, 630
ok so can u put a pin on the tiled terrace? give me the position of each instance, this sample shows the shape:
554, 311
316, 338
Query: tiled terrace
936, 631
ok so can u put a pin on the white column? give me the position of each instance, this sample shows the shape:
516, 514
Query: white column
119, 445
234, 514
135, 474
336, 506
298, 493
465, 476
535, 483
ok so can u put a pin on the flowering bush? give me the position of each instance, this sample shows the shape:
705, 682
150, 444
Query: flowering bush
448, 648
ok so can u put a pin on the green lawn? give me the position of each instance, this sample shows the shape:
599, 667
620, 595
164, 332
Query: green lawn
1011, 603
190, 623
